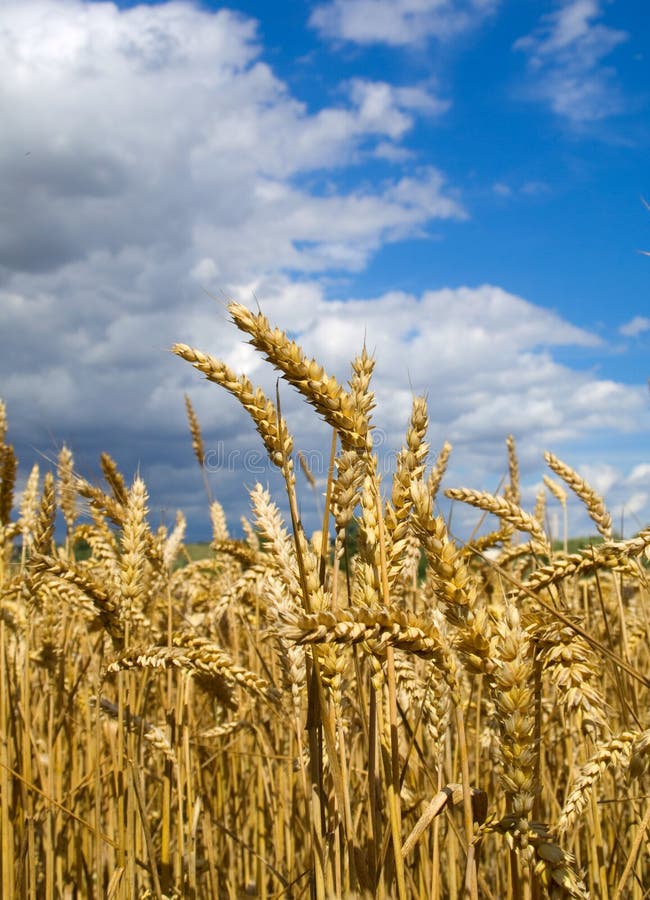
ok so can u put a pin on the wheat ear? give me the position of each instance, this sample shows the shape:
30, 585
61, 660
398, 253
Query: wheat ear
411, 461
66, 487
513, 489
615, 754
439, 468
506, 510
323, 391
270, 426
8, 468
592, 500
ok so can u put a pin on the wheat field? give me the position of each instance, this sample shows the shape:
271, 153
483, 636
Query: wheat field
422, 718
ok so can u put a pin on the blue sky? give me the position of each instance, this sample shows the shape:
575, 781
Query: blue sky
458, 181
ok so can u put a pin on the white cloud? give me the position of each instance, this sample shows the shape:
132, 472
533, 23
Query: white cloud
392, 152
566, 56
384, 108
160, 128
636, 326
399, 22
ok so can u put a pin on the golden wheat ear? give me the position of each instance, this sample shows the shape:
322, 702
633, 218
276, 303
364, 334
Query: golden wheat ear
591, 499
269, 424
323, 391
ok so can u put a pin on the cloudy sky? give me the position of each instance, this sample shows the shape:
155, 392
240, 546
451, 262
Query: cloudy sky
459, 183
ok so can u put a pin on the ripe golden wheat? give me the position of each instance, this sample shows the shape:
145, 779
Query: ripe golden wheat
409, 720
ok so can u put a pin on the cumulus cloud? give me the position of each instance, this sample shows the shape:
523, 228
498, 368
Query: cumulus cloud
566, 62
160, 127
150, 158
399, 22
149, 154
